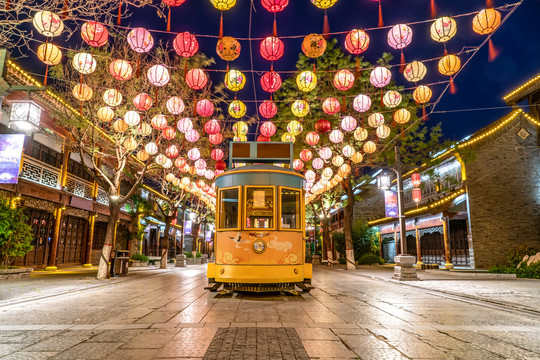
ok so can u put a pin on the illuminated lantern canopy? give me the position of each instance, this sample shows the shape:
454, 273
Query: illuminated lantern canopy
312, 138
215, 139
416, 180
212, 127
192, 135
105, 114
300, 108
240, 128
360, 134
194, 154
175, 105
223, 5
140, 40
325, 153
322, 126
271, 81
94, 34
380, 76
313, 45
143, 101
415, 71
48, 24
422, 94
184, 125
205, 108
317, 163
268, 109
416, 195
348, 151
343, 80
132, 118
375, 120
383, 131
306, 155
158, 75
228, 48
298, 164
486, 21
392, 99
50, 54
196, 79
356, 41
268, 129
82, 92
294, 127
84, 63
185, 44
112, 97
402, 116
449, 65
169, 133
217, 154
272, 48
171, 151
151, 148
348, 123
306, 81
235, 80
237, 109
331, 106
121, 70
369, 147
335, 136
361, 103
443, 29
159, 122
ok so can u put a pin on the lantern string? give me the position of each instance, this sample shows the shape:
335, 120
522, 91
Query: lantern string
326, 26
169, 20
492, 51
119, 18
433, 9
221, 25
381, 23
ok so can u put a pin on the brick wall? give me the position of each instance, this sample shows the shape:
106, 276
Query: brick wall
504, 193
370, 205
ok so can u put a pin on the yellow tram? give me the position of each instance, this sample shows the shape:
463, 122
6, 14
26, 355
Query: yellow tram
260, 224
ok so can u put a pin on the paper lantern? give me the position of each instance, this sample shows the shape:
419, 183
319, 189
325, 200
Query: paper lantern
223, 5
383, 131
312, 138
317, 163
300, 108
298, 164
84, 63
361, 103
160, 159
47, 23
306, 81
360, 134
345, 169
272, 48
348, 123
268, 109
380, 76
200, 164
357, 157
221, 165
228, 48
159, 122
343, 80
143, 101
235, 80
185, 181
337, 160
486, 21
175, 105
416, 195
192, 135
212, 127
416, 180
196, 79
217, 154
323, 4
194, 154
288, 137
130, 144
375, 120
271, 81
294, 127
209, 174
327, 173
171, 151
313, 45
140, 40
82, 92
144, 129
50, 54
142, 155
274, 5
399, 36
237, 109
112, 97
415, 71
120, 70
205, 108
120, 126
392, 99
151, 148
422, 94
335, 136
185, 44
132, 118
105, 114
325, 153
449, 65
170, 177
240, 128
443, 29
322, 126
348, 151
168, 133
262, 138
306, 155
356, 41
369, 147
94, 34
268, 129
402, 116
158, 75
331, 106
215, 139
310, 175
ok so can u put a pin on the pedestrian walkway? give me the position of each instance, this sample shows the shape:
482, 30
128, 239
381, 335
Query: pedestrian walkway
362, 314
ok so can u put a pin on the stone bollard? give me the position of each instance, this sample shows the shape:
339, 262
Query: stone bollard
316, 260
204, 259
181, 260
404, 269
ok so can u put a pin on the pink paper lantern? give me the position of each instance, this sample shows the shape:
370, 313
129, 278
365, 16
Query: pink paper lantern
312, 138
268, 109
336, 136
140, 40
268, 129
192, 135
400, 36
217, 154
158, 75
175, 105
200, 172
215, 139
143, 101
185, 44
310, 176
209, 174
196, 79
348, 123
361, 103
200, 164
325, 153
212, 127
380, 76
184, 125
194, 154
205, 108
317, 163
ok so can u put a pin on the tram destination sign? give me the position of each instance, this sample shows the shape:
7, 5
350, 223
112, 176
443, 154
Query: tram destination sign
260, 152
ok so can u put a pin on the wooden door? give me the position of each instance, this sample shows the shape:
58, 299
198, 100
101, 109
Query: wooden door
42, 223
72, 238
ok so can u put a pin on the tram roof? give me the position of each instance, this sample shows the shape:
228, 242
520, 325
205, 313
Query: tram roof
260, 174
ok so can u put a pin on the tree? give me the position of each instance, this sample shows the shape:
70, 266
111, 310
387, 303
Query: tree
15, 234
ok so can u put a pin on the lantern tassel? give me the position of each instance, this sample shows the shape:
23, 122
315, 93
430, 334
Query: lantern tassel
81, 108
424, 113
445, 51
326, 26
8, 5
195, 108
65, 9
46, 73
156, 95
381, 23
169, 20
453, 88
382, 104
357, 67
492, 51
185, 68
138, 66
402, 64
119, 18
221, 25
489, 4
344, 105
315, 66
433, 9
274, 29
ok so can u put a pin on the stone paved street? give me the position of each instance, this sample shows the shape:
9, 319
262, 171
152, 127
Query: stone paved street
167, 314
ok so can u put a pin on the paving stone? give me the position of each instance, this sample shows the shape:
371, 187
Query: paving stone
87, 351
25, 355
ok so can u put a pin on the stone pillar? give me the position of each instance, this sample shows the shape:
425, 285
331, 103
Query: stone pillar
53, 248
181, 260
90, 241
404, 269
419, 262
448, 263
380, 246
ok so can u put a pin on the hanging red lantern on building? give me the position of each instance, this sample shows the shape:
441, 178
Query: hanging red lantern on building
331, 106
312, 138
159, 122
322, 126
356, 41
344, 80
215, 139
143, 101
221, 165
196, 79
271, 81
94, 34
169, 133
185, 44
217, 154
416, 180
121, 70
212, 127
140, 40
416, 195
272, 48
205, 108
268, 109
268, 129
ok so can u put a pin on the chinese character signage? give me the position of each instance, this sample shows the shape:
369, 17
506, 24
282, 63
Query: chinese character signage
11, 146
187, 227
391, 203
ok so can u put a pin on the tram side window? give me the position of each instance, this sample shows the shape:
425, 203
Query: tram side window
228, 217
290, 209
260, 207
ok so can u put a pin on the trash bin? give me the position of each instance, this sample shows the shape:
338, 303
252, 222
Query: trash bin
119, 263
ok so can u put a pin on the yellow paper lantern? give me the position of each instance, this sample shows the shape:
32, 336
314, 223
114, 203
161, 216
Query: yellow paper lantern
443, 29
314, 45
357, 157
84, 63
237, 109
300, 108
130, 144
360, 134
50, 54
402, 116
241, 138
82, 92
48, 24
170, 177
370, 147
449, 65
235, 80
240, 128
294, 128
144, 129
383, 131
286, 137
392, 99
120, 126
112, 97
422, 94
228, 48
105, 114
486, 21
142, 155
324, 4
375, 120
345, 168
306, 81
337, 160
415, 71
223, 5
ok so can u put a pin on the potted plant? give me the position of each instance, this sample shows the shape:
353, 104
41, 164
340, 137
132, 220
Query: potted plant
138, 260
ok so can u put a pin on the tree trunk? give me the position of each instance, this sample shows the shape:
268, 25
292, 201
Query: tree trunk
348, 223
327, 242
103, 268
165, 247
195, 237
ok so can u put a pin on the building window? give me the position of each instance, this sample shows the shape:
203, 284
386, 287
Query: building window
290, 209
259, 207
229, 208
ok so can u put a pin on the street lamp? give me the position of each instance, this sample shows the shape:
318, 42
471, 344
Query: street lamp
383, 181
25, 115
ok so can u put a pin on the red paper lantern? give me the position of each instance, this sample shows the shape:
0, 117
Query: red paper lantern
344, 80
196, 79
180, 162
221, 165
121, 70
357, 41
215, 139
298, 164
212, 127
143, 102
306, 155
94, 34
171, 151
271, 81
416, 195
174, 2
275, 5
312, 138
217, 154
205, 108
185, 44
268, 109
169, 133
322, 126
331, 106
272, 48
415, 180
268, 129
262, 138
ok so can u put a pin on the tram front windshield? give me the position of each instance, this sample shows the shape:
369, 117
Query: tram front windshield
259, 207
